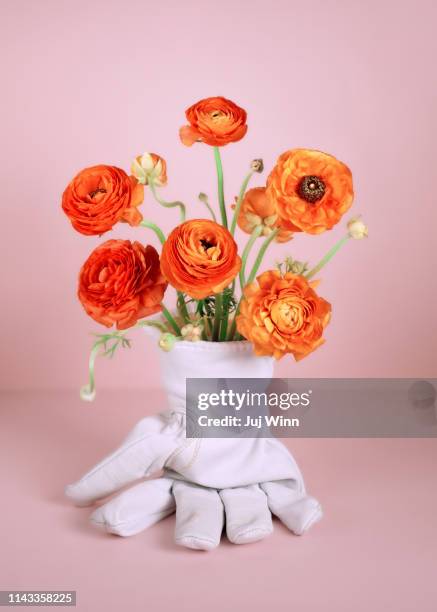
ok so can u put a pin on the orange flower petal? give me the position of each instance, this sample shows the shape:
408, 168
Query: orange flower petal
281, 315
121, 282
215, 121
99, 197
200, 258
320, 206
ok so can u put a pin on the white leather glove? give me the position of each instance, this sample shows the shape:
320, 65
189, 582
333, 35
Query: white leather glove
204, 479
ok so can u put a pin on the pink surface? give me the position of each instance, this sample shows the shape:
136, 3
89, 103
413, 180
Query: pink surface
374, 550
99, 81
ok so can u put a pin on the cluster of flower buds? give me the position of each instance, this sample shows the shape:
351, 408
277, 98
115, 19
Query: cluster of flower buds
192, 332
292, 265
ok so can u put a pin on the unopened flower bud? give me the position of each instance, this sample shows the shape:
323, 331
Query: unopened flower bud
253, 220
167, 341
150, 168
191, 332
357, 229
298, 267
270, 221
87, 394
257, 165
203, 197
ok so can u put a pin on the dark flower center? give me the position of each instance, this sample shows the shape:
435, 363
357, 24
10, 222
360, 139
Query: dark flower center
311, 188
216, 114
206, 244
96, 191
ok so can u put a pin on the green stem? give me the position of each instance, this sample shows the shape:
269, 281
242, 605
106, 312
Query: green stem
221, 194
218, 316
252, 275
182, 306
329, 255
87, 392
234, 322
224, 328
167, 314
240, 201
181, 205
206, 329
205, 201
261, 254
254, 235
156, 324
225, 319
155, 228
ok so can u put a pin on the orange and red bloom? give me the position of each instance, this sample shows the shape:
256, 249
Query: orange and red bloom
258, 210
311, 190
214, 121
280, 313
101, 196
283, 314
200, 258
121, 282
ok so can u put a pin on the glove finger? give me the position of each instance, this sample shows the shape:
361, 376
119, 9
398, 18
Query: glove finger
297, 510
136, 508
143, 452
199, 516
248, 517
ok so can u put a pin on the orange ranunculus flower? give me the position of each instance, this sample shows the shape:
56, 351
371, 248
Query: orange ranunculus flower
100, 196
214, 121
283, 314
312, 190
200, 258
121, 282
257, 209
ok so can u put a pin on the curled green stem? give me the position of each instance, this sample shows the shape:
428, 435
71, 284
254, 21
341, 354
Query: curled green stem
204, 199
100, 346
329, 255
158, 231
88, 391
181, 205
240, 201
221, 194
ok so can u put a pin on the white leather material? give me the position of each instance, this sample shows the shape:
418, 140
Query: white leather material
244, 479
208, 360
223, 462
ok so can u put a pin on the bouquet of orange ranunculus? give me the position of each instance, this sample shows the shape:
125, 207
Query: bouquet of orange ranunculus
219, 299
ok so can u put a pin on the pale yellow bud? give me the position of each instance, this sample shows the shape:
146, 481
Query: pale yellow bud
270, 220
148, 168
167, 341
357, 229
87, 394
191, 333
257, 165
253, 220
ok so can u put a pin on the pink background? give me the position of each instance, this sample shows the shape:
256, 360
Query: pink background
93, 81
98, 82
